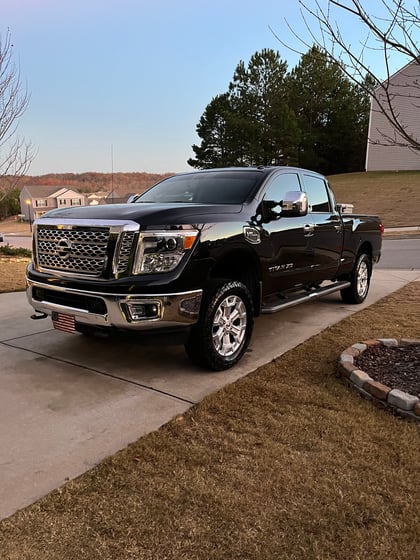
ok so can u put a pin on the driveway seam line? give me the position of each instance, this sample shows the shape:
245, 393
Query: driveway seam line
6, 340
104, 373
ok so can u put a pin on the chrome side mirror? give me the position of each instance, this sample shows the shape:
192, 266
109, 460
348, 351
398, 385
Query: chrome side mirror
294, 203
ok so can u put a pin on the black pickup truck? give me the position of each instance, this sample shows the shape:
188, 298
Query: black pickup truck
201, 254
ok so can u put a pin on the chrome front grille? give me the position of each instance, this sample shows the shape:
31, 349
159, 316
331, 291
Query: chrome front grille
81, 235
79, 250
84, 250
124, 251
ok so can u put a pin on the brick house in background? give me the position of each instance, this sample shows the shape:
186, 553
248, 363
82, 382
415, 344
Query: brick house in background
382, 153
35, 200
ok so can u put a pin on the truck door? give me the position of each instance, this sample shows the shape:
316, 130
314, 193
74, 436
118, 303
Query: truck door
285, 263
324, 228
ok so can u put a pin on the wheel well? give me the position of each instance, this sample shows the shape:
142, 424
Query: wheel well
241, 266
367, 249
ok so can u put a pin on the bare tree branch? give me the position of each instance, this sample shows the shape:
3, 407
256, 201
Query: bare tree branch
16, 155
394, 32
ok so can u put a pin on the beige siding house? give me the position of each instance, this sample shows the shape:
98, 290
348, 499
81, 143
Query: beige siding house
383, 150
35, 200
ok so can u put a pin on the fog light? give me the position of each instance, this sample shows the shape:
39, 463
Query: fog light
139, 311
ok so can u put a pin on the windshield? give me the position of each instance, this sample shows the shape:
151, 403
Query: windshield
217, 187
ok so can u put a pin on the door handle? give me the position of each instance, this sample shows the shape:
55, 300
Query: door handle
338, 224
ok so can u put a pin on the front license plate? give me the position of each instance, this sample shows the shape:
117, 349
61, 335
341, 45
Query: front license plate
63, 322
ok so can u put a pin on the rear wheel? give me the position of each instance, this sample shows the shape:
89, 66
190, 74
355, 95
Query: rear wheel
359, 281
222, 334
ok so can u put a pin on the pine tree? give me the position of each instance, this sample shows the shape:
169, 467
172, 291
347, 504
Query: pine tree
332, 115
260, 99
252, 123
216, 128
314, 117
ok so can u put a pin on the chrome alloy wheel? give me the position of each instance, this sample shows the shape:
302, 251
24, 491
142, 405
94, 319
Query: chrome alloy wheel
362, 282
229, 325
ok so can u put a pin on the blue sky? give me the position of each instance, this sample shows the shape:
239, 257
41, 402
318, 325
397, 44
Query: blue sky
132, 77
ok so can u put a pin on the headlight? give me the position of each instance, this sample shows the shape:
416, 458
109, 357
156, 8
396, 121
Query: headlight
161, 251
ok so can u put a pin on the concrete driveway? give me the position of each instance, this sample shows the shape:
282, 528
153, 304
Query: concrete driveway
68, 401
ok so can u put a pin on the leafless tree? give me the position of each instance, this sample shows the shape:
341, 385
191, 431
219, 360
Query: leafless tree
394, 30
15, 153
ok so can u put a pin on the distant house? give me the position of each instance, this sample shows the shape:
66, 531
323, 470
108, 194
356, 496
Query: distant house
104, 197
35, 200
386, 149
114, 197
93, 199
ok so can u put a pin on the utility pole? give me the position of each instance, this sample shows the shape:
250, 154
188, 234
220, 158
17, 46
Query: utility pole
112, 173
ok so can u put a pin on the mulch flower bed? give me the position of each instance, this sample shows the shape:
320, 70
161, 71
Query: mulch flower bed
397, 367
385, 371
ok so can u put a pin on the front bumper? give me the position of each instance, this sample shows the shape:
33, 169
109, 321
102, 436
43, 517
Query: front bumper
120, 311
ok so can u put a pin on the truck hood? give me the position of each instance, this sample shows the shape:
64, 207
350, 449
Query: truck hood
149, 213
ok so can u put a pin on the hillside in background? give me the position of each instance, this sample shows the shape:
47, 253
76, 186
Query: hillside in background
394, 196
122, 184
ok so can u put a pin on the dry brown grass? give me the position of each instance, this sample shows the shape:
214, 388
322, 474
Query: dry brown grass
286, 463
12, 225
394, 196
12, 274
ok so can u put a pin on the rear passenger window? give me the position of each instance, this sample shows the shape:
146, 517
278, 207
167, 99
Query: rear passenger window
318, 198
280, 185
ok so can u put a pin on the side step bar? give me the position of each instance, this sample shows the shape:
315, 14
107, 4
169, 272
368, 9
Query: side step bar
301, 298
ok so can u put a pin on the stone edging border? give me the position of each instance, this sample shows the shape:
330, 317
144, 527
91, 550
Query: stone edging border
398, 401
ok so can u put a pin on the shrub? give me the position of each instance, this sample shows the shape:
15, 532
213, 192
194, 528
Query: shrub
9, 251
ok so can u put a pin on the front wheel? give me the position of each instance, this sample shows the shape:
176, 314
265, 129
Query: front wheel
222, 334
359, 281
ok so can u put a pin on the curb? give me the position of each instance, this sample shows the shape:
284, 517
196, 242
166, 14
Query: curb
410, 232
14, 259
397, 401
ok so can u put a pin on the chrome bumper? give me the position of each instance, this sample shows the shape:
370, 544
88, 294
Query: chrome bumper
165, 310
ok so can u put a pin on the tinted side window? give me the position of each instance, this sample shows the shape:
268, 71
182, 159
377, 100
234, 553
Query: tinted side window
316, 190
281, 184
